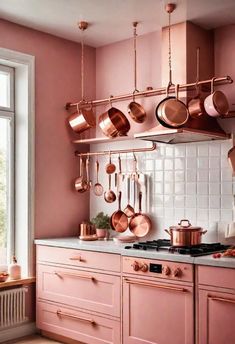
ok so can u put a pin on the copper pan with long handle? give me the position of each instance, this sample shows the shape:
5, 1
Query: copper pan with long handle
119, 220
140, 224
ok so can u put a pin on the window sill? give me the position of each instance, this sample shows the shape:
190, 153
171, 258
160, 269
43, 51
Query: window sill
22, 281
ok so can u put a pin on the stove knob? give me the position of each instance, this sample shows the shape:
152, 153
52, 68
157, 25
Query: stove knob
135, 266
166, 270
177, 272
144, 268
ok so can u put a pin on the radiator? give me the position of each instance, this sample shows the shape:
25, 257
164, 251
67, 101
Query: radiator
12, 307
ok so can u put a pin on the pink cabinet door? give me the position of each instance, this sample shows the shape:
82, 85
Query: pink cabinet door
88, 290
76, 324
216, 317
157, 313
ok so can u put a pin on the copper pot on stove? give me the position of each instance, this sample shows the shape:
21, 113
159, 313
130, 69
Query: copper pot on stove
185, 234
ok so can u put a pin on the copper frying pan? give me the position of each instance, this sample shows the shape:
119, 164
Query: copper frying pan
140, 224
119, 220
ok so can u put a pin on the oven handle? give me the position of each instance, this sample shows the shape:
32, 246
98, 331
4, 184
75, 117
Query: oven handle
148, 284
72, 316
222, 299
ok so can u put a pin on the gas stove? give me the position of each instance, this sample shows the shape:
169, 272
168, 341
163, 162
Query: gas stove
165, 245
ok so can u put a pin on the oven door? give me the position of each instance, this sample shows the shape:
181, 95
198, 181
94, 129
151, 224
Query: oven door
157, 313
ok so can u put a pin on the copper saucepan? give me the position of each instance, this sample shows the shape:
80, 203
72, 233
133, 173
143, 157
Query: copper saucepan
216, 104
82, 119
136, 111
140, 224
114, 123
185, 234
172, 112
119, 220
196, 105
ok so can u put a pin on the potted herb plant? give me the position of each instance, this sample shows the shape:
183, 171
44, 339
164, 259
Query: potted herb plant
102, 225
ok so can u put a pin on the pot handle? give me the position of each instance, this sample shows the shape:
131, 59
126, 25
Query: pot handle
167, 231
185, 226
204, 232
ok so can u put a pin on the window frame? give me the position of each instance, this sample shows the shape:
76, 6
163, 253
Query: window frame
8, 113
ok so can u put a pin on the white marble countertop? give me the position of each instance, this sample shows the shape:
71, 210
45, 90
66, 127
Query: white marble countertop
119, 248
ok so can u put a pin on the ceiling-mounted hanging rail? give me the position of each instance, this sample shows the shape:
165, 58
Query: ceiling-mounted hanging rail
118, 151
149, 93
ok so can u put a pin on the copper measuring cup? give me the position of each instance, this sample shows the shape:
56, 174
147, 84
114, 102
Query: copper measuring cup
80, 182
109, 196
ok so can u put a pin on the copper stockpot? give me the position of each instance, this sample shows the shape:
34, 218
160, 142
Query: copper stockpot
82, 120
185, 234
114, 123
86, 228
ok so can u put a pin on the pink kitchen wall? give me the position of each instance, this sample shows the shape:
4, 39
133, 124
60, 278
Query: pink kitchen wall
58, 209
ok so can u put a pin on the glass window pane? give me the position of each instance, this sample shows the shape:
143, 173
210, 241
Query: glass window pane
4, 89
4, 188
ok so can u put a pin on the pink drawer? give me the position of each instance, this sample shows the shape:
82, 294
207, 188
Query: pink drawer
216, 276
77, 325
87, 290
85, 259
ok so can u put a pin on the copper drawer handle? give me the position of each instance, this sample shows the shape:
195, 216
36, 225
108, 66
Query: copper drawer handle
60, 274
183, 290
79, 258
214, 298
72, 316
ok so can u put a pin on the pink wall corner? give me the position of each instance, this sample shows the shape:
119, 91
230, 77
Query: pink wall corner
224, 45
115, 74
58, 208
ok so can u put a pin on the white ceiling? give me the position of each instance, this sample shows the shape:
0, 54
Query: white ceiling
111, 20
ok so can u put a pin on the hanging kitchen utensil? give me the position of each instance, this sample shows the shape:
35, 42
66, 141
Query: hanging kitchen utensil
113, 122
196, 104
110, 167
140, 224
231, 155
119, 220
135, 110
80, 183
216, 104
83, 185
82, 119
109, 196
171, 112
129, 210
98, 188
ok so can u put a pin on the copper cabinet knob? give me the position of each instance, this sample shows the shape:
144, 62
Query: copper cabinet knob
144, 268
166, 270
135, 266
177, 272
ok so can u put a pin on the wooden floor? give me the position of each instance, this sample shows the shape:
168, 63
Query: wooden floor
34, 340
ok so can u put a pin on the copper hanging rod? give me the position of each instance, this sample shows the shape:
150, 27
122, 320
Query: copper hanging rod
149, 93
119, 151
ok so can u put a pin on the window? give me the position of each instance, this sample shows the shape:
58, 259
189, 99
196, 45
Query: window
6, 163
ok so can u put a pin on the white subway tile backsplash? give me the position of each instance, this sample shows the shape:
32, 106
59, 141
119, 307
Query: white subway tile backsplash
187, 180
203, 150
168, 164
214, 175
202, 162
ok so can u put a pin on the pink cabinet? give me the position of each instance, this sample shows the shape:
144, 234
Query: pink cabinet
87, 290
77, 324
216, 305
157, 313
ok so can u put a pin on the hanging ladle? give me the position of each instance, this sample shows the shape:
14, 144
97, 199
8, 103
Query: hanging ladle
135, 110
110, 167
98, 188
109, 196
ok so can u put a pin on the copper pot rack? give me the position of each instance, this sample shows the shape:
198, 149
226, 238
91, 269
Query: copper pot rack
119, 151
150, 92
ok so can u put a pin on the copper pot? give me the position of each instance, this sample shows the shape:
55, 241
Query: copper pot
172, 112
185, 234
86, 228
196, 105
82, 120
114, 123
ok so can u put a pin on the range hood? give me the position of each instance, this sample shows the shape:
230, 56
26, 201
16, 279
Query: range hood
195, 130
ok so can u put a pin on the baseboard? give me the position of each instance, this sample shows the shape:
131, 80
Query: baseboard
17, 332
